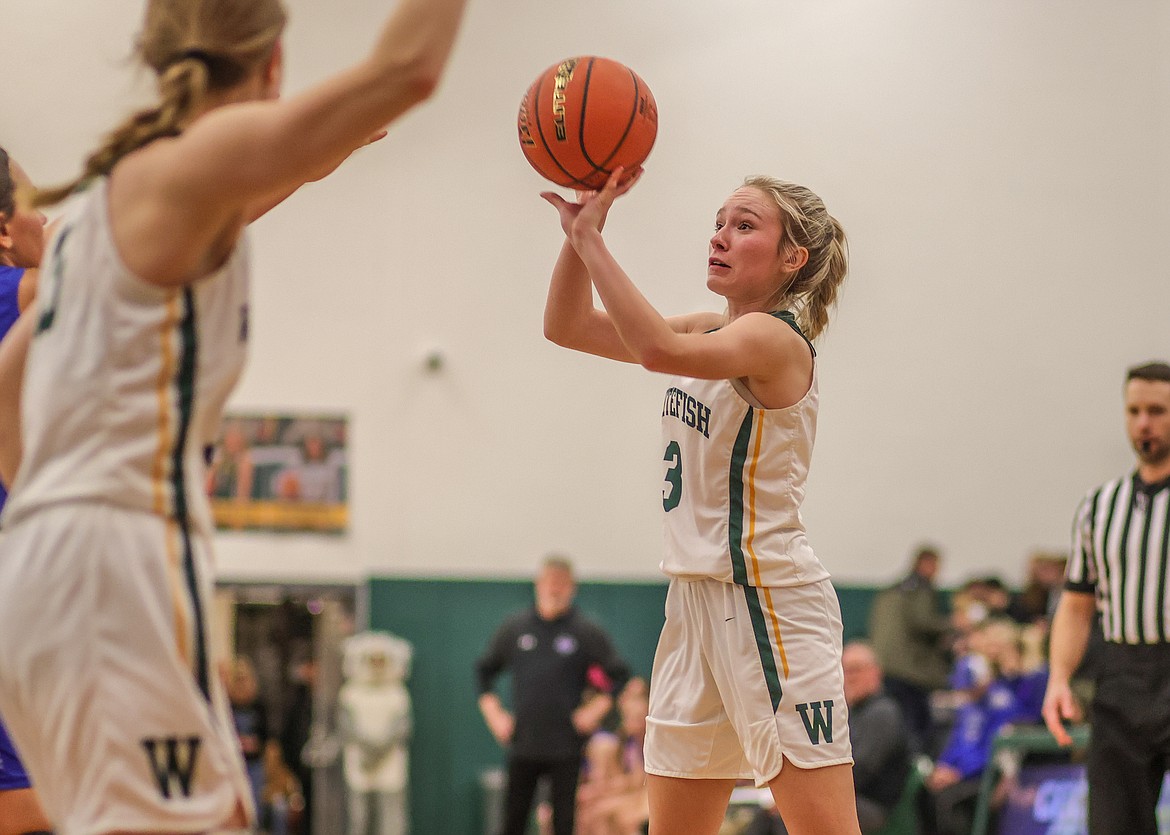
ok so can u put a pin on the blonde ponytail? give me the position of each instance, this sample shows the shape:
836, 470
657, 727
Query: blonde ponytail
182, 88
194, 47
812, 293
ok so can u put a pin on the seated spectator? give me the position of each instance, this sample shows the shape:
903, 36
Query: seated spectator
612, 797
977, 600
877, 732
1000, 691
1036, 602
282, 803
972, 671
250, 716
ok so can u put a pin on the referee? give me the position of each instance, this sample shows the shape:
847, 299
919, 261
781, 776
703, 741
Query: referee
1118, 566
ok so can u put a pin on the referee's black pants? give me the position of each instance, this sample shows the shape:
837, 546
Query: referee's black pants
1129, 750
523, 775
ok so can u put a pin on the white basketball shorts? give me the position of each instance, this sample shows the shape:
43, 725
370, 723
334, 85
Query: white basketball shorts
745, 678
105, 683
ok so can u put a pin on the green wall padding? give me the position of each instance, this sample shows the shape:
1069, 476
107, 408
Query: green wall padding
449, 623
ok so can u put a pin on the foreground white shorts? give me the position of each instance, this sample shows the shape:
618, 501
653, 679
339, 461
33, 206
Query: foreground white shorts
745, 677
105, 683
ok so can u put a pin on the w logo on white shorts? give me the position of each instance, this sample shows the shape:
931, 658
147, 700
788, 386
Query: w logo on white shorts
821, 724
172, 760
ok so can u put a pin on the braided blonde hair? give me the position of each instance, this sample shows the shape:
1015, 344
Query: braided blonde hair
194, 47
813, 290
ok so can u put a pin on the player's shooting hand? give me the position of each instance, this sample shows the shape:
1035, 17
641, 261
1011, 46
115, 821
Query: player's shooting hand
592, 207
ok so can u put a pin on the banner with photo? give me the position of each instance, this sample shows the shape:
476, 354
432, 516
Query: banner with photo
280, 473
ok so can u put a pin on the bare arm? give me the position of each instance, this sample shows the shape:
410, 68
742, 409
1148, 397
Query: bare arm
572, 321
179, 197
13, 351
1070, 636
754, 346
263, 206
570, 318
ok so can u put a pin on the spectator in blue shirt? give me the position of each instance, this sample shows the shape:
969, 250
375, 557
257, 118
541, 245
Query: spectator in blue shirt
1006, 693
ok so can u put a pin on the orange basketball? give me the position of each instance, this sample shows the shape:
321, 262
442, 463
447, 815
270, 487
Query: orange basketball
585, 117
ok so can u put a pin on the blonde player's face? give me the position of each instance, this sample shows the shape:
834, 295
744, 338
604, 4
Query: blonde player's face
745, 261
1147, 419
22, 236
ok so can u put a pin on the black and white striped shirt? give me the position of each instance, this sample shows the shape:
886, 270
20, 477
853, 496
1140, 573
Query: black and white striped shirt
1119, 550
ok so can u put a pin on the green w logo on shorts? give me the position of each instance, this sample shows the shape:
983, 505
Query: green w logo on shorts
820, 725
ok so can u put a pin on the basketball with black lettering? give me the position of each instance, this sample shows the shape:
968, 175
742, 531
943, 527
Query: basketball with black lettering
584, 117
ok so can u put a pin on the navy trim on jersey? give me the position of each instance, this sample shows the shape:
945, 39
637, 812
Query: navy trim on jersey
186, 392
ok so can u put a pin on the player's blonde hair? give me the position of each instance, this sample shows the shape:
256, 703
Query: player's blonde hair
807, 223
194, 47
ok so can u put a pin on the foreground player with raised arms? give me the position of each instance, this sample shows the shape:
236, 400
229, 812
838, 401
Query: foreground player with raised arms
140, 333
747, 678
22, 244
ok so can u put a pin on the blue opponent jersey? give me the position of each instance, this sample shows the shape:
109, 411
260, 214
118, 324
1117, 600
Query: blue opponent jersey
9, 312
12, 774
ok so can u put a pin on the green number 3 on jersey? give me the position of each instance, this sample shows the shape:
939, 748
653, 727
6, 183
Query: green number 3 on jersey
672, 492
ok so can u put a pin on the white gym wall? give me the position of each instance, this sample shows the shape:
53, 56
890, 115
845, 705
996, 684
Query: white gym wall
1001, 166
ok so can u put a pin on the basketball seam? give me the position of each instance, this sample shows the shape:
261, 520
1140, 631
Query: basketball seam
629, 124
581, 127
540, 132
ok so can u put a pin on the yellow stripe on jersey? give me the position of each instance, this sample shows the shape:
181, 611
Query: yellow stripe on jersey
749, 543
178, 593
166, 375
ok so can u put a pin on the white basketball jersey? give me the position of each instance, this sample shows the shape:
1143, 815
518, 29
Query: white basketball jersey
735, 478
125, 382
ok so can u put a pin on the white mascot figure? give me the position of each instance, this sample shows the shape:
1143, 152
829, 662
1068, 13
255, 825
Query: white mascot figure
375, 724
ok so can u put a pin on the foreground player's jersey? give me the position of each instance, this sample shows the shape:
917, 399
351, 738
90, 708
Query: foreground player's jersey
734, 483
125, 382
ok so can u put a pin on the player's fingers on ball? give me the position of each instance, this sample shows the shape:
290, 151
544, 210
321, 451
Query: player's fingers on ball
630, 177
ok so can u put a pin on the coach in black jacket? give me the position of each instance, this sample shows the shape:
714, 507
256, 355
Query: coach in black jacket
549, 651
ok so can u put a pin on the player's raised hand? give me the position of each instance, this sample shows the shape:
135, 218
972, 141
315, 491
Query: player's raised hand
594, 204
